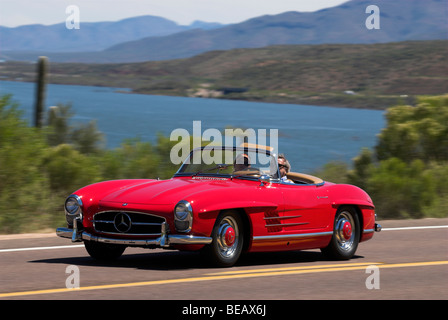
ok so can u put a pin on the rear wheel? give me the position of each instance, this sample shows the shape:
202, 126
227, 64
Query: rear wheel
227, 243
346, 233
104, 251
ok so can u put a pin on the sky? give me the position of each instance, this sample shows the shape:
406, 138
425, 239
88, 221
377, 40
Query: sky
22, 12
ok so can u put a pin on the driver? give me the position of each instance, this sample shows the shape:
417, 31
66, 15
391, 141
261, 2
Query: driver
242, 162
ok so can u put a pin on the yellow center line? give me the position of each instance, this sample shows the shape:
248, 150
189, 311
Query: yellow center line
296, 268
234, 275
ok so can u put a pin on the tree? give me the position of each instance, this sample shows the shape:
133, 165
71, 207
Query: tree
419, 132
407, 176
24, 191
84, 137
68, 170
401, 190
58, 127
362, 166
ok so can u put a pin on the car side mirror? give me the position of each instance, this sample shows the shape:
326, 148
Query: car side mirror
264, 178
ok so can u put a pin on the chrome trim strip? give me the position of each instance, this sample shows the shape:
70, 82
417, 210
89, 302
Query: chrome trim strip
164, 240
286, 224
284, 217
130, 234
369, 231
188, 239
146, 223
128, 211
292, 236
102, 221
133, 223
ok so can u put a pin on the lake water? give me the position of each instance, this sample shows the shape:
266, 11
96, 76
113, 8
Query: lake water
310, 136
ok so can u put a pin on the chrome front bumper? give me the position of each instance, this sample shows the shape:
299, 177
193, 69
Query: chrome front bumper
163, 241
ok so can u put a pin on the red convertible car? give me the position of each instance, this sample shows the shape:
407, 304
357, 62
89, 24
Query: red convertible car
224, 201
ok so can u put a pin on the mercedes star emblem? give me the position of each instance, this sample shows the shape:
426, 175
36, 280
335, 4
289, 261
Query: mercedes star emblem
122, 222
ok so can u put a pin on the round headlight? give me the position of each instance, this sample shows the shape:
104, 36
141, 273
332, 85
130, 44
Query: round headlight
183, 216
72, 208
182, 210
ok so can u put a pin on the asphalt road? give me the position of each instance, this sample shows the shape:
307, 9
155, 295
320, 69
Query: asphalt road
407, 260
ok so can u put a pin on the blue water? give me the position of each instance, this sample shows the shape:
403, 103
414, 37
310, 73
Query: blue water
309, 136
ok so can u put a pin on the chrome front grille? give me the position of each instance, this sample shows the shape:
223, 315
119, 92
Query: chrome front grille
125, 222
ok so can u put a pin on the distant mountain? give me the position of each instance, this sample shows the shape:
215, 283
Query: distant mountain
400, 20
92, 36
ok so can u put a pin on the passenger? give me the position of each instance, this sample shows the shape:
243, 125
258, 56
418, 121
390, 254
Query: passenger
284, 167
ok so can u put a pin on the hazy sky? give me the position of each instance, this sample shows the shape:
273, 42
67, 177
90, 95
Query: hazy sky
21, 12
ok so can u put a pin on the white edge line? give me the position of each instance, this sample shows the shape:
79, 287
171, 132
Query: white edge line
414, 228
41, 248
81, 245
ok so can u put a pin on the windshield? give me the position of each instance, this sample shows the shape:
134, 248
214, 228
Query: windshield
230, 161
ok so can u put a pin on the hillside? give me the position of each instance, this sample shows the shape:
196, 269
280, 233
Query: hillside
353, 75
400, 20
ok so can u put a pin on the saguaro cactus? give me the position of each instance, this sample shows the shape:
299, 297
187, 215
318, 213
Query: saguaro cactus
42, 66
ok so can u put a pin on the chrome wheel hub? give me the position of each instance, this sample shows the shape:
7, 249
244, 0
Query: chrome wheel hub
227, 237
344, 231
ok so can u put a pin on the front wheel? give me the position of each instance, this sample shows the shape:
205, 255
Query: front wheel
227, 243
104, 251
346, 233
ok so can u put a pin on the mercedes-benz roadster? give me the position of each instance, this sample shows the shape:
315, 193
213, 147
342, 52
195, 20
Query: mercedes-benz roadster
223, 201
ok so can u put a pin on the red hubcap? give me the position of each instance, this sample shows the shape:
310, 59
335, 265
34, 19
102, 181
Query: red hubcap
229, 236
347, 230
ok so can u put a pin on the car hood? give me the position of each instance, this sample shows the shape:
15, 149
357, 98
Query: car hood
163, 191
